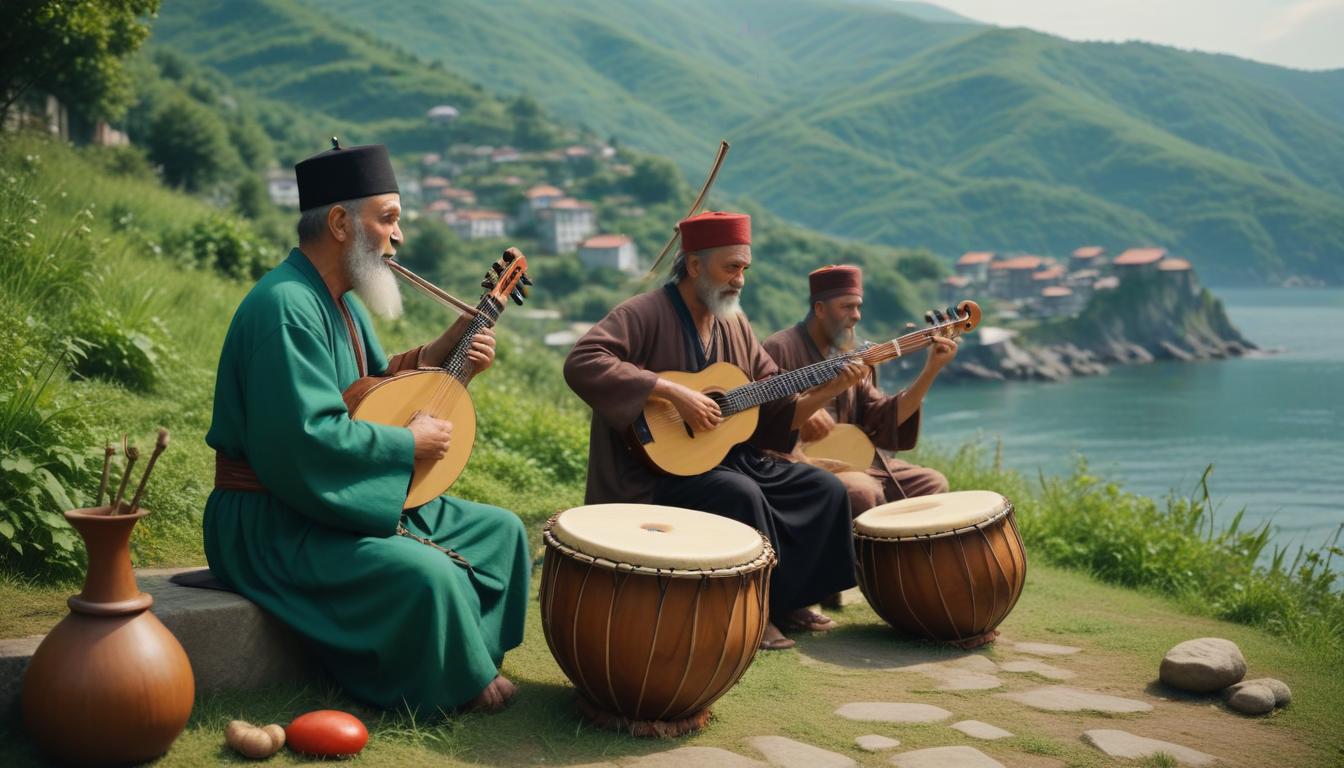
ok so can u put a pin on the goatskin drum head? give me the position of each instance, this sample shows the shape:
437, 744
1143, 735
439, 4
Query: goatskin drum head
653, 536
929, 515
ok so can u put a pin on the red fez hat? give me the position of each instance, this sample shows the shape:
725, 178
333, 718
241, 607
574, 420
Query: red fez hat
831, 281
713, 229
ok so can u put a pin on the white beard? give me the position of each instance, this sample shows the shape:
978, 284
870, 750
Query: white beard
842, 340
370, 277
711, 294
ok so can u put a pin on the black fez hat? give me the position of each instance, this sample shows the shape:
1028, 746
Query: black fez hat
344, 173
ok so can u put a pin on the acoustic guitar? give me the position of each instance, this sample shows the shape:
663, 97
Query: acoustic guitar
847, 444
667, 444
441, 392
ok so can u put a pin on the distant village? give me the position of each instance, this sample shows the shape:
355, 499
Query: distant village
485, 192
1028, 286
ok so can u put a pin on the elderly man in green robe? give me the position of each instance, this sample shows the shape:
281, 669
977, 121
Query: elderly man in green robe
306, 518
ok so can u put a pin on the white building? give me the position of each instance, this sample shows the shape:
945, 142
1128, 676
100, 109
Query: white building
609, 252
478, 225
283, 189
566, 223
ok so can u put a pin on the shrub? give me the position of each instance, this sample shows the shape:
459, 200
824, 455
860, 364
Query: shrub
224, 244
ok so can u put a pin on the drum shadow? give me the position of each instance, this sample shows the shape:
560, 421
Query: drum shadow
875, 648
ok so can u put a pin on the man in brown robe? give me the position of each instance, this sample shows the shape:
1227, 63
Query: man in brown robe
891, 421
686, 325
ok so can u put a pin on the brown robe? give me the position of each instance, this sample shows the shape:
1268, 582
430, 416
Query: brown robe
802, 510
866, 406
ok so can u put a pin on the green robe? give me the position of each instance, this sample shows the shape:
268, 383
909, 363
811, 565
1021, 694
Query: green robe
394, 620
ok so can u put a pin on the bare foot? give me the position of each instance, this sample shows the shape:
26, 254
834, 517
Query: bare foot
774, 640
494, 697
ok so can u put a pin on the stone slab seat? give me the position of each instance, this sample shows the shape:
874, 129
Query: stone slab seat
232, 644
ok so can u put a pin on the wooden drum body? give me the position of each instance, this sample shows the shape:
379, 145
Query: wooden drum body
652, 612
946, 567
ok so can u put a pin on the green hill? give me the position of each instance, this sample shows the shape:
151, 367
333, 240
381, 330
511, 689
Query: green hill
863, 121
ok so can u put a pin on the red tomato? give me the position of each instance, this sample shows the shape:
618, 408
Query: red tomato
326, 733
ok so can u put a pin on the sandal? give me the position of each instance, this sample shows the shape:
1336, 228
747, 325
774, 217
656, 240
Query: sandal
780, 643
811, 622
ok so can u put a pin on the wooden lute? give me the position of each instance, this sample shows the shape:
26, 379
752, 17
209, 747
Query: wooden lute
667, 444
440, 392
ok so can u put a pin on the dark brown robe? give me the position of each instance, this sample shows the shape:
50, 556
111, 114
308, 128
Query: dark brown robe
866, 406
802, 510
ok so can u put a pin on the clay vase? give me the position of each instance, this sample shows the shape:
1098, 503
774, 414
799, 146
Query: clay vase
110, 684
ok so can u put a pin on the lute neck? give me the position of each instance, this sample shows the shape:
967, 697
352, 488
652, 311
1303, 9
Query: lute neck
457, 364
798, 380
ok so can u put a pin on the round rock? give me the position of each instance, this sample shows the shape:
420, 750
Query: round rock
1203, 665
1253, 699
1282, 695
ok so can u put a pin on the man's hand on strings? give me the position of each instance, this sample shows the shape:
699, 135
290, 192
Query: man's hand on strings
695, 408
481, 354
432, 436
941, 352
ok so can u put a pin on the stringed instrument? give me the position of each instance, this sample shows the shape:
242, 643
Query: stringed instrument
440, 392
667, 444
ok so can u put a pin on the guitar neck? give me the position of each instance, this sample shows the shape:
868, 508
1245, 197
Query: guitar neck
798, 380
457, 364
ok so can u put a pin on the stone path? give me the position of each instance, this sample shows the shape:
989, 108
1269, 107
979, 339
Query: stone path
1061, 698
787, 753
978, 730
892, 712
951, 671
944, 757
875, 743
1045, 649
1126, 745
1038, 667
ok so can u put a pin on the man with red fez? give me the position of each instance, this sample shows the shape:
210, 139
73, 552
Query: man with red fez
686, 325
306, 516
891, 421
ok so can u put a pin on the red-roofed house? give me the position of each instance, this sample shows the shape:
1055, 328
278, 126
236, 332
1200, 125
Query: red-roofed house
434, 182
538, 198
1049, 275
975, 265
1058, 300
609, 252
1180, 271
1011, 278
478, 225
566, 223
953, 289
1087, 257
1139, 259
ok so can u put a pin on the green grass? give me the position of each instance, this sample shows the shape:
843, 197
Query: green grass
793, 694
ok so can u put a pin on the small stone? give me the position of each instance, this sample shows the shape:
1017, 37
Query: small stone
978, 730
1122, 744
787, 753
944, 757
892, 712
1060, 698
1253, 699
875, 743
1046, 649
708, 757
1282, 695
1038, 667
1203, 665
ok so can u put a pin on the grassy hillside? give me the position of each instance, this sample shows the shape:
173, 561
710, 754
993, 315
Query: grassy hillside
863, 121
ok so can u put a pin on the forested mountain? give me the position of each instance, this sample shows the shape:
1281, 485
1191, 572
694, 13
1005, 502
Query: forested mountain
860, 119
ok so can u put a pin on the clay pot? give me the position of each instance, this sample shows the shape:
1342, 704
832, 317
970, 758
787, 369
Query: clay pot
110, 684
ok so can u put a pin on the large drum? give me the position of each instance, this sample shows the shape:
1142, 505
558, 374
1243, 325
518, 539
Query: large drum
946, 567
653, 612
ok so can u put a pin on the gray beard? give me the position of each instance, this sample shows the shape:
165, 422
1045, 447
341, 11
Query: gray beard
711, 295
370, 277
842, 340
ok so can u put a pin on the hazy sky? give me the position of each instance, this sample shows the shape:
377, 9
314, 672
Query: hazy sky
1307, 34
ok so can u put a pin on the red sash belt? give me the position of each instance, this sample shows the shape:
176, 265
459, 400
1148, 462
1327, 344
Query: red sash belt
235, 475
